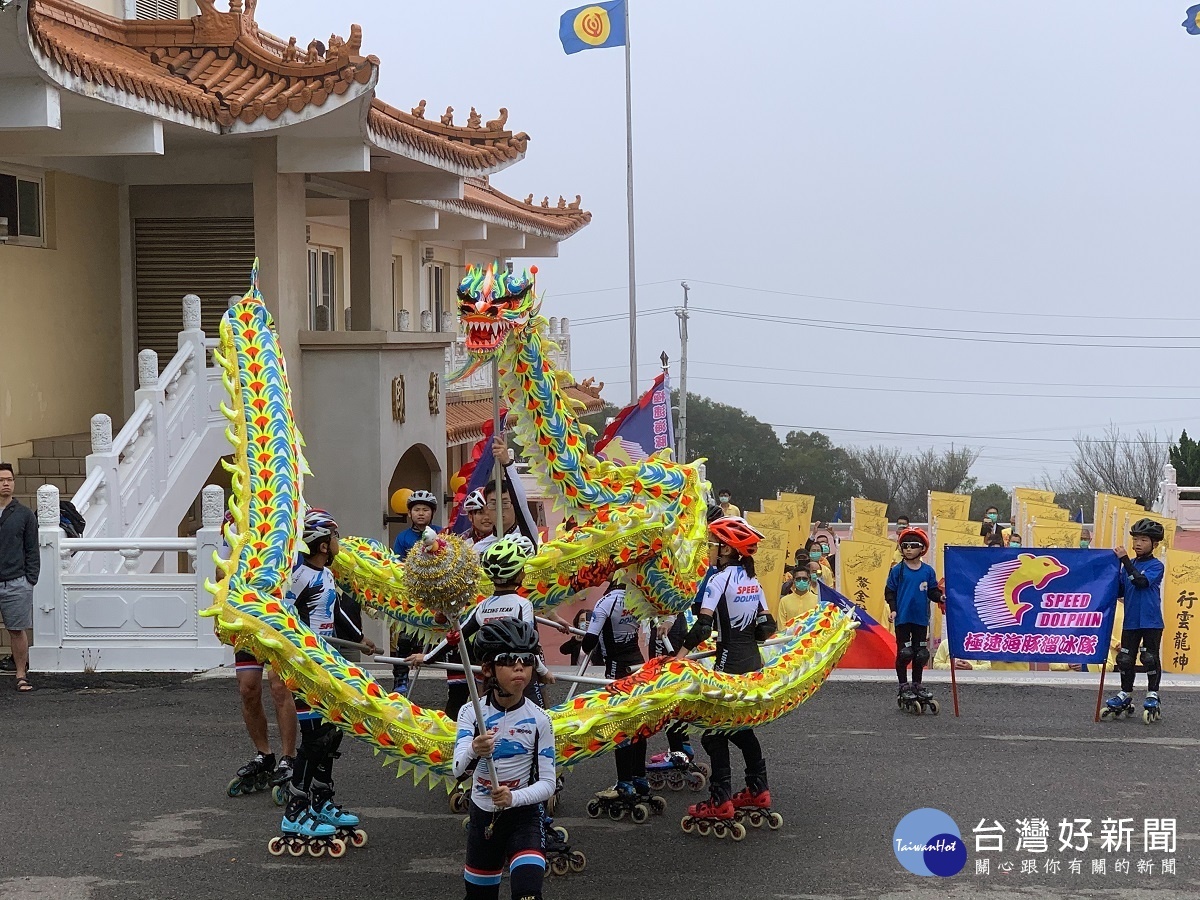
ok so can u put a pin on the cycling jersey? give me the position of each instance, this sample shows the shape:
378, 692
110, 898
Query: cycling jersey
502, 606
522, 756
734, 599
618, 631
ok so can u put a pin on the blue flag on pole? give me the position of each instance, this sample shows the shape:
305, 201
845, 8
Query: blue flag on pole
641, 428
593, 27
1191, 23
837, 516
1078, 517
1021, 605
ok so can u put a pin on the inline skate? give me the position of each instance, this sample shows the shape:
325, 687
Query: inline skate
460, 796
330, 813
560, 858
281, 778
254, 776
708, 817
302, 832
916, 699
1121, 704
755, 808
1151, 709
619, 800
676, 770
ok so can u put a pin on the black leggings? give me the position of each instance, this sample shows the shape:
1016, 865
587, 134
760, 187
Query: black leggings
517, 841
319, 741
717, 747
918, 636
1150, 640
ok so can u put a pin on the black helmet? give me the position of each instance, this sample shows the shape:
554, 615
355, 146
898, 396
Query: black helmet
507, 635
1148, 528
714, 512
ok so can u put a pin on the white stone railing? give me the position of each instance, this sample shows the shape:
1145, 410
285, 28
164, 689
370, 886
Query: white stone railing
481, 379
167, 447
124, 620
1172, 505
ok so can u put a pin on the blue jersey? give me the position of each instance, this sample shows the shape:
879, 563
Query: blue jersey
912, 587
407, 539
1143, 606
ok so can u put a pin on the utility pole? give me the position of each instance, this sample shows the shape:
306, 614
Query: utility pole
683, 338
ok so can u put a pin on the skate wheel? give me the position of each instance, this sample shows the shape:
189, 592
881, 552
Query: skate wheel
737, 831
774, 821
640, 812
719, 830
688, 824
935, 707
697, 781
466, 823
658, 805
459, 802
337, 848
551, 805
276, 847
900, 702
561, 833
560, 865
295, 849
279, 795
703, 827
676, 781
578, 861
358, 838
756, 818
616, 813
1105, 715
593, 809
702, 768
234, 788
916, 709
657, 782
316, 850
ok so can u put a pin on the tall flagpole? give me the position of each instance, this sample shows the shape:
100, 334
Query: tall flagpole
633, 380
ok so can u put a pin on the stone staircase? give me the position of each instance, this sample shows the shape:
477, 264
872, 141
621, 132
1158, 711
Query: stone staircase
59, 461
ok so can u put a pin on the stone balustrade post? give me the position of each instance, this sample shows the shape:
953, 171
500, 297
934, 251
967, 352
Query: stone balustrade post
107, 497
208, 542
48, 592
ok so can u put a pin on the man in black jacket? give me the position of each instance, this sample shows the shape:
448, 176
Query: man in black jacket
19, 569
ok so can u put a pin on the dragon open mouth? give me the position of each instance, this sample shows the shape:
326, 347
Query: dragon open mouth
484, 334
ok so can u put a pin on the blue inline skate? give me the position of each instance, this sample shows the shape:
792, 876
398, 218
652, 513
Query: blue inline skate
676, 770
330, 813
1121, 704
1151, 709
302, 832
617, 801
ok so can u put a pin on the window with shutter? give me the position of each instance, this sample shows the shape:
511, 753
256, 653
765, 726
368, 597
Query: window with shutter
156, 9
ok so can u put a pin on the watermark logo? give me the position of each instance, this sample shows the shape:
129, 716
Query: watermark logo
928, 842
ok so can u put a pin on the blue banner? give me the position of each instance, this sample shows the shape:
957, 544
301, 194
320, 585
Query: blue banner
593, 27
640, 429
1019, 605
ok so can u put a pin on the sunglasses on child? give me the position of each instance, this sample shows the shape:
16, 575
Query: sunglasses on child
508, 660
912, 545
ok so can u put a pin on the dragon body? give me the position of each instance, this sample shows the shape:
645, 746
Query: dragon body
636, 526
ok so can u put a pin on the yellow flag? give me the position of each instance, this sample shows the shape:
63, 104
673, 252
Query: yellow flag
763, 520
791, 515
1169, 528
773, 539
1046, 512
1033, 494
873, 525
768, 568
1102, 521
1181, 590
803, 504
958, 526
860, 506
862, 575
949, 506
1056, 534
1120, 516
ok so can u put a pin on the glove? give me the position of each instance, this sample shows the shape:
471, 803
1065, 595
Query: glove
453, 637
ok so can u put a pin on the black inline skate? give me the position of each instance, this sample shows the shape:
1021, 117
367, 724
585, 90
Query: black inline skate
916, 699
280, 779
620, 800
560, 858
677, 769
254, 776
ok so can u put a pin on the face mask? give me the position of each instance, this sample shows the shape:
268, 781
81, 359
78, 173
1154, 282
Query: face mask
824, 548
1083, 545
814, 555
1014, 543
993, 517
801, 585
724, 498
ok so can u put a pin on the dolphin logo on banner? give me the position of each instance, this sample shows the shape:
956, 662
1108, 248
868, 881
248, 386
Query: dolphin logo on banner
998, 593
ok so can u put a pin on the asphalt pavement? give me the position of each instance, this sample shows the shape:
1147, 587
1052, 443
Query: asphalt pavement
114, 787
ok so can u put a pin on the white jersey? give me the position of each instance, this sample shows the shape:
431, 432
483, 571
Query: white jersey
743, 597
520, 733
502, 606
314, 595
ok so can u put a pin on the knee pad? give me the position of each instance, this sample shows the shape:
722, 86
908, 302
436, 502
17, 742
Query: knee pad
1149, 660
906, 654
1125, 661
922, 655
321, 742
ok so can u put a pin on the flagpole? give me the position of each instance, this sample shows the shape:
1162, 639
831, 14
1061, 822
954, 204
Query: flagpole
633, 379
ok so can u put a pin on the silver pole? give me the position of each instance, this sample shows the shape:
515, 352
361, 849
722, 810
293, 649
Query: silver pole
497, 469
683, 341
633, 379
480, 726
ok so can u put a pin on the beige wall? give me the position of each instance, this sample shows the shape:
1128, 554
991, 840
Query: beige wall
117, 7
60, 347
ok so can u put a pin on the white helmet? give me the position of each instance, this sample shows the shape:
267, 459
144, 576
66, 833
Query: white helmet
474, 501
422, 497
524, 543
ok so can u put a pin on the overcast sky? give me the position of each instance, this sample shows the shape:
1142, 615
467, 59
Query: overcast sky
1013, 172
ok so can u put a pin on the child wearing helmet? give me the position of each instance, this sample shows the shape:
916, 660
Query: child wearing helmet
482, 517
310, 810
505, 825
735, 604
912, 585
421, 507
1140, 585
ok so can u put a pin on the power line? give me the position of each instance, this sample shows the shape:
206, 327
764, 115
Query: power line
970, 437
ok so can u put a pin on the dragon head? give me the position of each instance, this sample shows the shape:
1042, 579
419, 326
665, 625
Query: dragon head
492, 302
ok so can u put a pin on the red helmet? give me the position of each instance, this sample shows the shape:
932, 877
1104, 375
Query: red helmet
913, 534
736, 532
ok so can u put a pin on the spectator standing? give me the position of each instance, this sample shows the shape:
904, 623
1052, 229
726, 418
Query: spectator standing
20, 565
